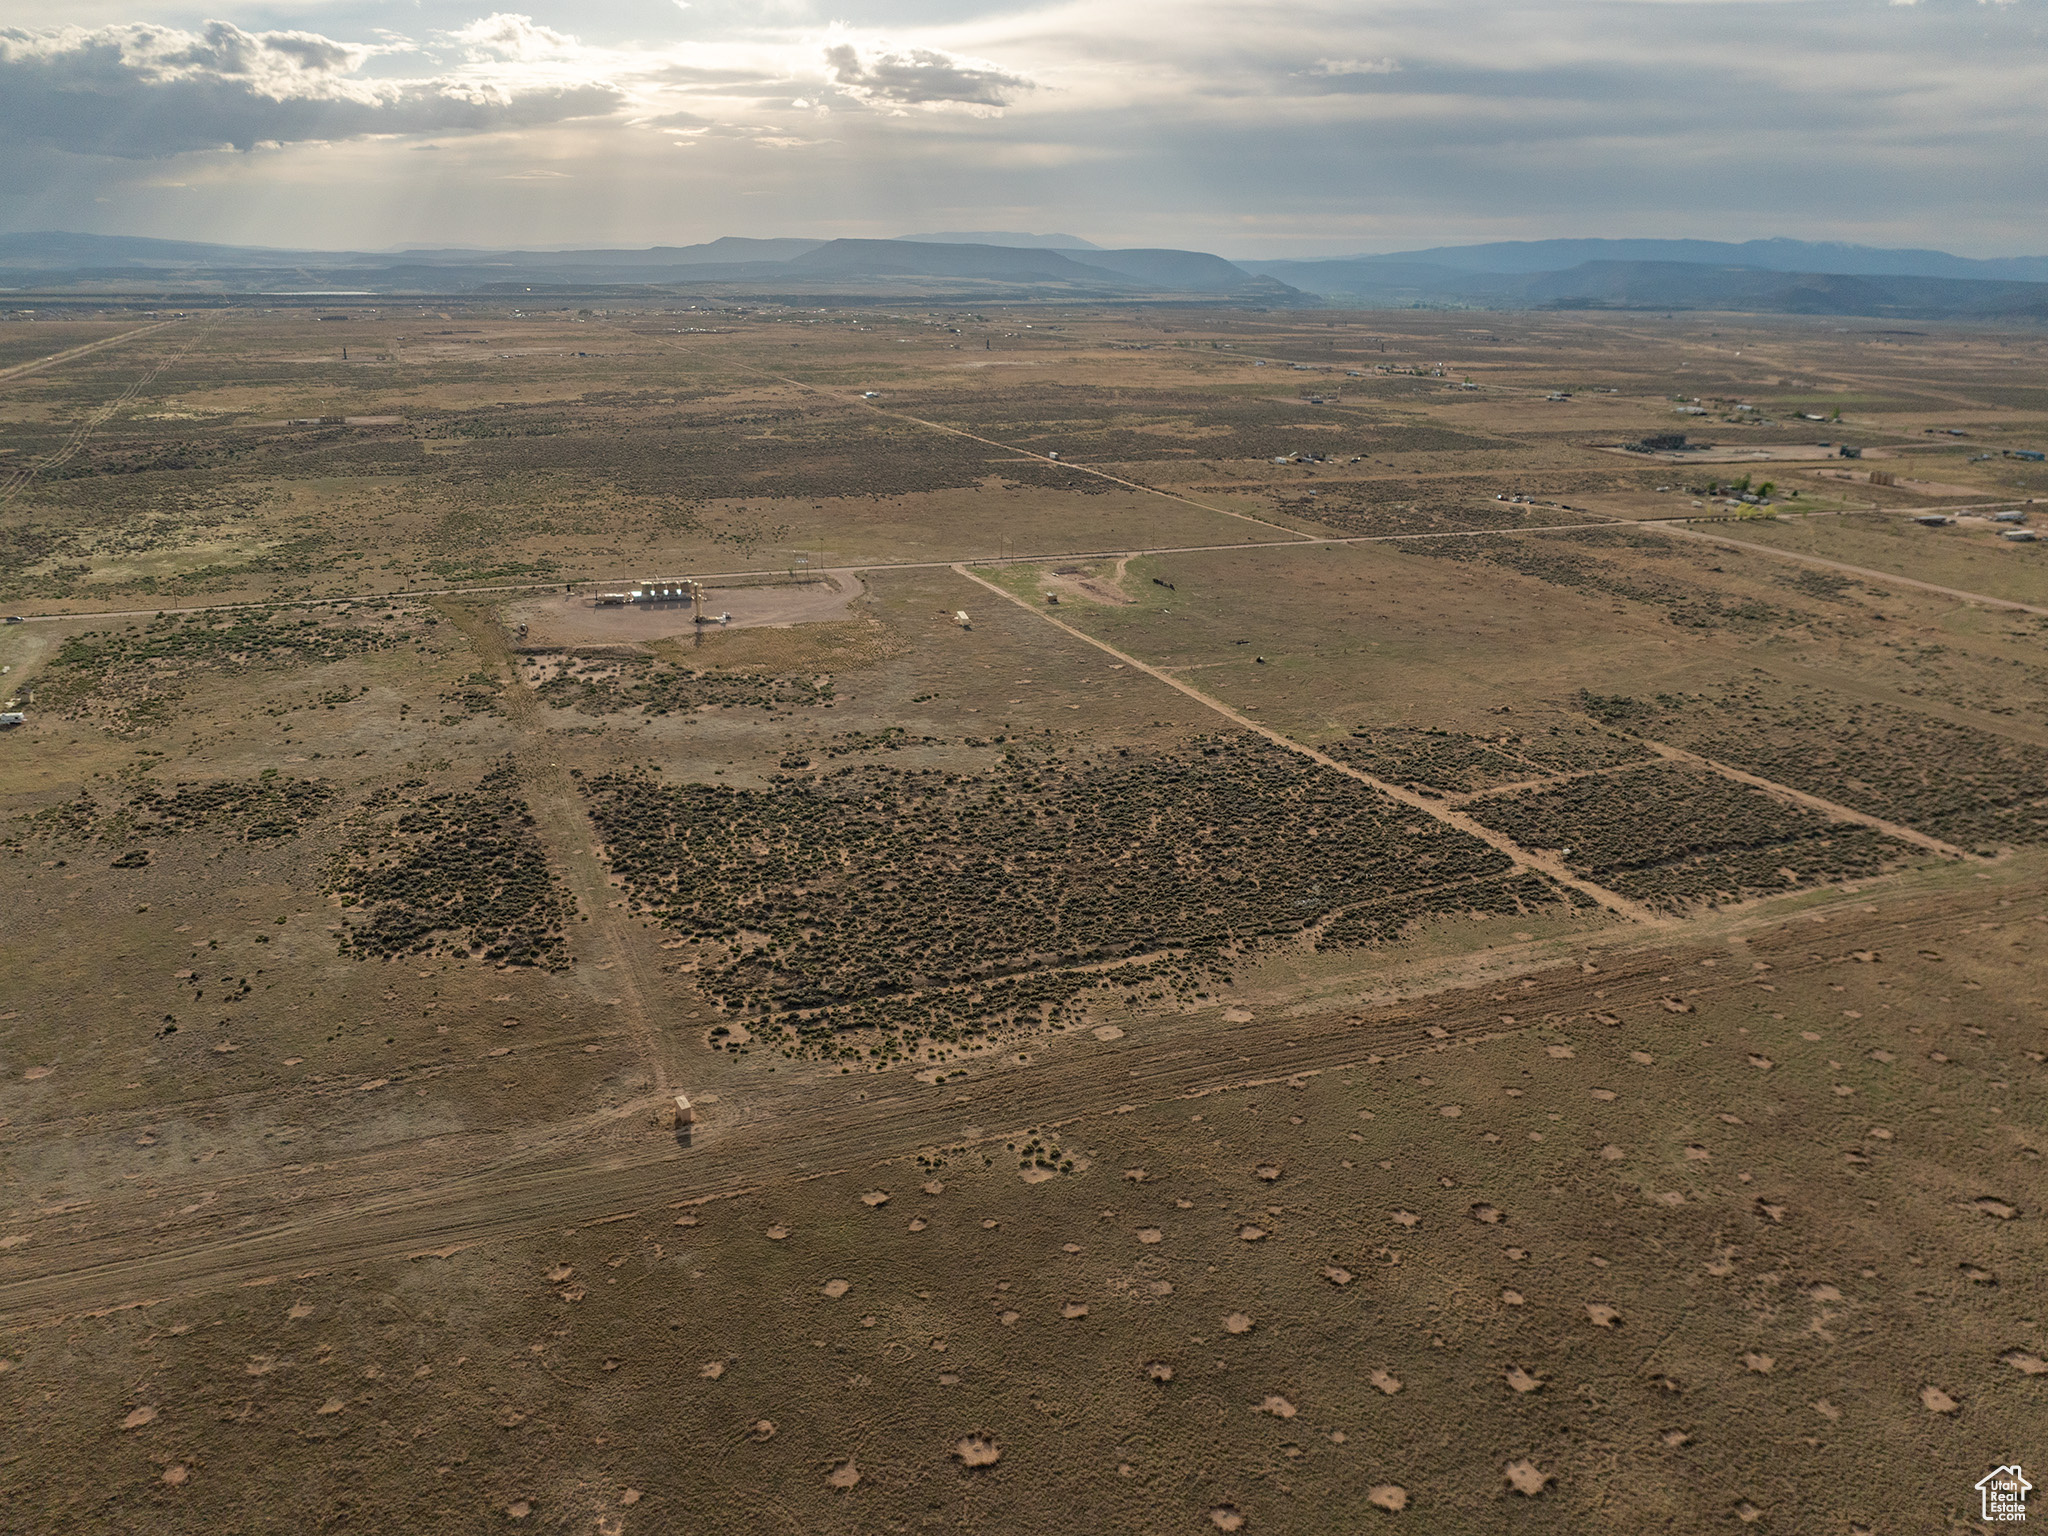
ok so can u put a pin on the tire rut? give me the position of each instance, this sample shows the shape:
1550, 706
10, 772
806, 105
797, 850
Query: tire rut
757, 1148
572, 844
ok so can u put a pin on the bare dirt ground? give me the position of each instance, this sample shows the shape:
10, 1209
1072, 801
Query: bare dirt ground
1385, 1004
1486, 1228
1901, 482
1079, 582
575, 619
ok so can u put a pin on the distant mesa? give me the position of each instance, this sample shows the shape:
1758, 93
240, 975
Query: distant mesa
905, 258
1756, 276
1006, 237
964, 264
1761, 276
1773, 255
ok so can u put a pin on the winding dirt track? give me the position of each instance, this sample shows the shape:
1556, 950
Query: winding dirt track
774, 1134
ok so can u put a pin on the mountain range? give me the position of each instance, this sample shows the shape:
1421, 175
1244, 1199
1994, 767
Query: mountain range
1778, 255
1762, 276
964, 265
1388, 283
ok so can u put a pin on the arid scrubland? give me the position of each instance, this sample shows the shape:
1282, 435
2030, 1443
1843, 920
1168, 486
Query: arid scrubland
1260, 939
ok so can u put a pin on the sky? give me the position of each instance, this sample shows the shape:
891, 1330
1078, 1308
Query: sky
1253, 128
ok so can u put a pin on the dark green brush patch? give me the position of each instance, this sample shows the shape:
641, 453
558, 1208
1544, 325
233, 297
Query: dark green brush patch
480, 693
1967, 786
1137, 424
129, 680
1451, 762
269, 806
460, 874
261, 809
1675, 836
927, 904
1542, 557
613, 682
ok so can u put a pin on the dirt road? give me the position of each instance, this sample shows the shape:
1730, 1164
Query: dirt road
607, 942
1301, 541
57, 359
13, 482
1865, 572
1436, 809
800, 1123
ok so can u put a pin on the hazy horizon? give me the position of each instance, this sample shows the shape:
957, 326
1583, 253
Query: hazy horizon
1318, 130
1079, 252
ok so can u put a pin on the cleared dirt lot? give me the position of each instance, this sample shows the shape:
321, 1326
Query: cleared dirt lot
577, 619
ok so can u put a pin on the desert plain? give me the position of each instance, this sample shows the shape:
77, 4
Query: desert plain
1266, 926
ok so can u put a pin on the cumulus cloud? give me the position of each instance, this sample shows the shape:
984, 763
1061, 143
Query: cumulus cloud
1398, 124
920, 77
141, 92
510, 36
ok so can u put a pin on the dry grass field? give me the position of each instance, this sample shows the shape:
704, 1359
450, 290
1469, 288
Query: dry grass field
1260, 939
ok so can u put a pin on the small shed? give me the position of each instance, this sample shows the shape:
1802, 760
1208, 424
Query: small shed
685, 1115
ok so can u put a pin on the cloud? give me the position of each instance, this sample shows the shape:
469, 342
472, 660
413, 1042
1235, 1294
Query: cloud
1341, 67
509, 36
1398, 124
142, 92
688, 128
740, 77
674, 121
920, 77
